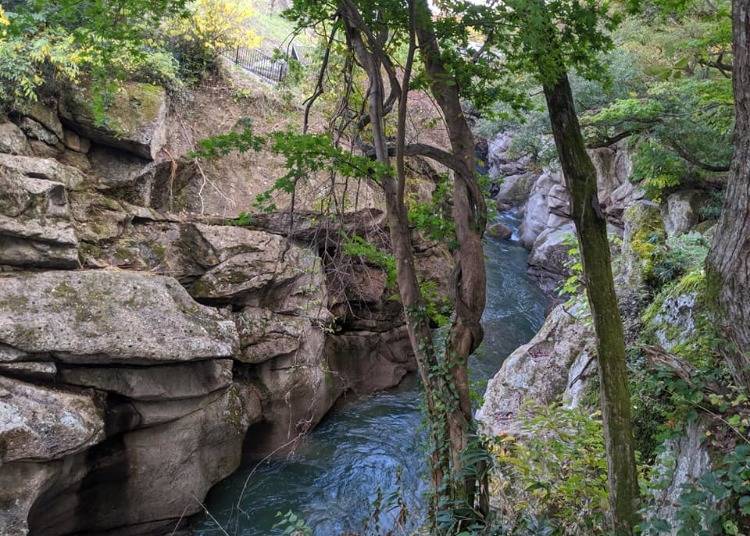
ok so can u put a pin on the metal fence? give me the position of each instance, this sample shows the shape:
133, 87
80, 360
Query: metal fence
259, 63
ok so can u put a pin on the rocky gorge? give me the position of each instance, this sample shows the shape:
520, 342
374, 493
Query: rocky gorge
140, 342
558, 366
142, 338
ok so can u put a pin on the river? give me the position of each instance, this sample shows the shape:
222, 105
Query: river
371, 446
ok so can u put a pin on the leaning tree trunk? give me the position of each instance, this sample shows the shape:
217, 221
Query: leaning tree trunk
469, 216
728, 264
591, 228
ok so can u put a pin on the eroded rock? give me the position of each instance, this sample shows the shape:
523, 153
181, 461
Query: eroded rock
134, 120
105, 316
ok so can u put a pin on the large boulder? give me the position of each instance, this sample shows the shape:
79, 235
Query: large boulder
105, 316
515, 189
134, 120
537, 371
682, 210
549, 257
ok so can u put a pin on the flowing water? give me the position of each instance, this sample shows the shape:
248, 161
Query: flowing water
372, 446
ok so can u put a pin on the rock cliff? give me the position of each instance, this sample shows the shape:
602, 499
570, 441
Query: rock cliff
143, 353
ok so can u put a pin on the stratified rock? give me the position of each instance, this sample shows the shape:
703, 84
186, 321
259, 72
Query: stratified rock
682, 210
299, 390
46, 116
12, 139
44, 168
107, 317
37, 131
159, 383
155, 474
364, 362
40, 423
135, 119
76, 143
265, 334
537, 371
35, 223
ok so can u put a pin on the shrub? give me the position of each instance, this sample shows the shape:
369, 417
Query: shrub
553, 477
211, 27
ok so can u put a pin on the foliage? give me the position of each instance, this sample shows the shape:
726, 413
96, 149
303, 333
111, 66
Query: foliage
211, 27
431, 217
357, 246
292, 524
680, 254
554, 474
45, 42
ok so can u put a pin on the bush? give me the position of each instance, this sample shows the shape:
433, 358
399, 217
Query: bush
211, 27
553, 479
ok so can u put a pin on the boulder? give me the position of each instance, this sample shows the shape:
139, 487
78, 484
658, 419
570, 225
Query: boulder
76, 143
101, 316
45, 116
12, 139
44, 168
536, 371
134, 120
40, 423
682, 461
549, 258
537, 209
682, 210
515, 189
37, 131
500, 231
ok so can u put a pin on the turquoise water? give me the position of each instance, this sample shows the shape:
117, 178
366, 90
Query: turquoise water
371, 446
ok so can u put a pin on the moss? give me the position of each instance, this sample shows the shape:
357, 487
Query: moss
648, 237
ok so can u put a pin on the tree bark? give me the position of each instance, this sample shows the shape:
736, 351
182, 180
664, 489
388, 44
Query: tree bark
591, 228
728, 263
469, 216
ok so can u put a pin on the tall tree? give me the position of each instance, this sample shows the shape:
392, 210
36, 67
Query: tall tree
371, 28
545, 39
728, 264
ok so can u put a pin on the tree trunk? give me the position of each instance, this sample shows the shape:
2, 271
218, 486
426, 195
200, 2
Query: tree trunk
728, 264
417, 321
469, 216
591, 228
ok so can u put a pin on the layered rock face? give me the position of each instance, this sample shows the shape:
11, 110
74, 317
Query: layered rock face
143, 353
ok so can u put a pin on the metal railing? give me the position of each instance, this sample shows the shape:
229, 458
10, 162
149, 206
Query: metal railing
259, 63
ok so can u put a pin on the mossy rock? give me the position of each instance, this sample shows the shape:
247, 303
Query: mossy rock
131, 117
643, 239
